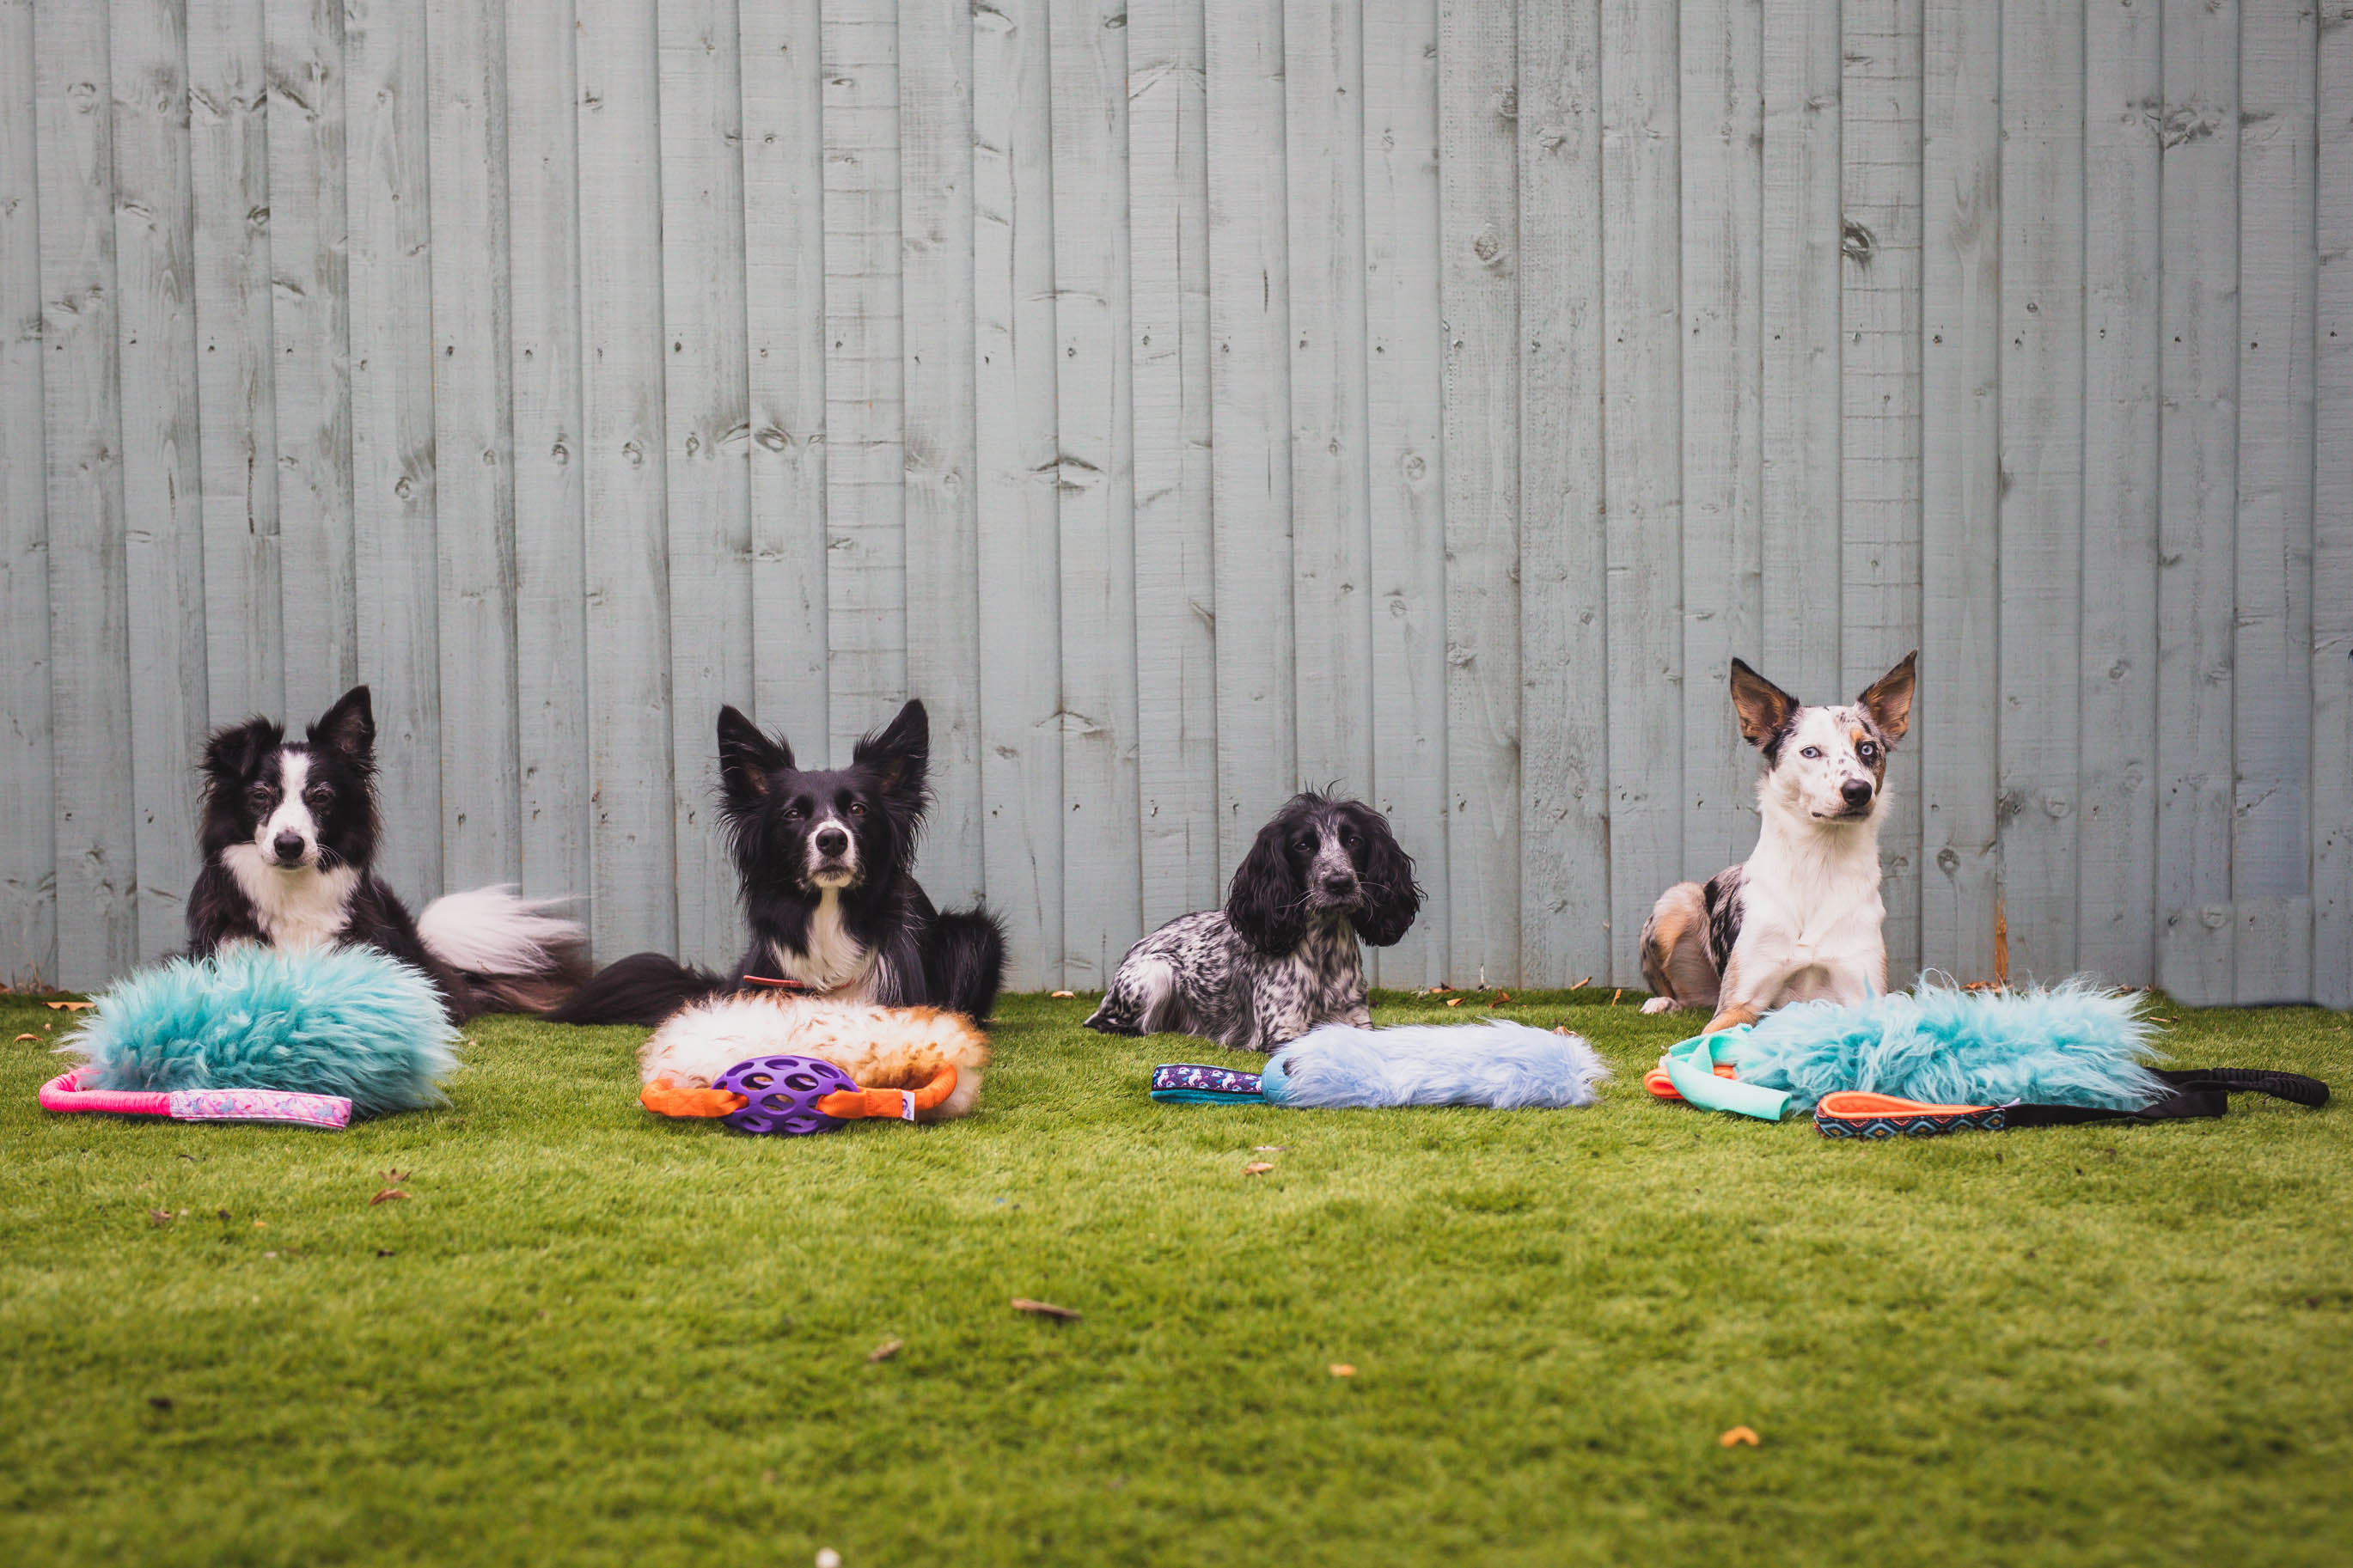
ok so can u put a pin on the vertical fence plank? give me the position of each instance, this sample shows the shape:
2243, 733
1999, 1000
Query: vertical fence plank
1954, 728
783, 262
2332, 575
1405, 413
2041, 505
1176, 589
1642, 362
1102, 899
865, 463
1565, 901
2198, 496
310, 277
544, 362
705, 394
1020, 626
2116, 831
1478, 258
943, 503
2272, 596
394, 465
1331, 503
633, 854
1250, 394
480, 752
164, 558
1723, 128
236, 422
1880, 485
28, 911
1797, 643
90, 650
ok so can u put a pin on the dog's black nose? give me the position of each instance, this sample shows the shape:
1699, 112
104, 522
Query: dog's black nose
831, 841
288, 846
1336, 883
1856, 792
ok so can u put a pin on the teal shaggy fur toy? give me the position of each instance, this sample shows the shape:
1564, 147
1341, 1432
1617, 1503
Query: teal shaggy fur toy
2075, 1044
346, 1021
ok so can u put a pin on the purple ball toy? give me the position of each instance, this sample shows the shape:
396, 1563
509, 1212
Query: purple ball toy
780, 1094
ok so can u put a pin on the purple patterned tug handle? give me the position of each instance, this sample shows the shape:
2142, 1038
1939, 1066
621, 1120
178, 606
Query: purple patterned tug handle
780, 1094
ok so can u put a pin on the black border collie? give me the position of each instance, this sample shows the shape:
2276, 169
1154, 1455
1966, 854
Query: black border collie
288, 836
826, 861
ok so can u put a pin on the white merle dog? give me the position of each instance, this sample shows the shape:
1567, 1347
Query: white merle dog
1802, 917
1282, 955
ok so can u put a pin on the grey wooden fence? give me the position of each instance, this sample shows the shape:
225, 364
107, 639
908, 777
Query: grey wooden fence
1192, 399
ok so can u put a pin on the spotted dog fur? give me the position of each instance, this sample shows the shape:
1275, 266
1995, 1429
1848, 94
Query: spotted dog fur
1282, 956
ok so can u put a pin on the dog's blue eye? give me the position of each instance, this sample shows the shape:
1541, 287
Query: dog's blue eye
1811, 752
1869, 754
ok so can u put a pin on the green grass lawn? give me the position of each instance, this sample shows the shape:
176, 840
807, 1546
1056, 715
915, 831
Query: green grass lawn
586, 1335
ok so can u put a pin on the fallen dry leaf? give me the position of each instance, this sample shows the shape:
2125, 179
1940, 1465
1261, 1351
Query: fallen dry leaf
1044, 1308
886, 1350
1257, 1168
1269, 1148
1342, 1369
1066, 995
159, 1216
1500, 997
1582, 984
1738, 1435
34, 1038
1454, 1001
386, 1196
384, 1252
261, 1225
71, 1006
1560, 1028
394, 1178
1615, 994
160, 1401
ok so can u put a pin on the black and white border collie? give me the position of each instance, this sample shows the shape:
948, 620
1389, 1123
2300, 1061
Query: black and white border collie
1282, 955
1802, 918
288, 835
825, 860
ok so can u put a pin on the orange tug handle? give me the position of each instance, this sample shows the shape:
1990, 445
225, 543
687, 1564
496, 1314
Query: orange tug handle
893, 1104
665, 1098
1663, 1088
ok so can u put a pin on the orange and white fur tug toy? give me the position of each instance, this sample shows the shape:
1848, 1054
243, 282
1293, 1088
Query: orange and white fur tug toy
726, 1058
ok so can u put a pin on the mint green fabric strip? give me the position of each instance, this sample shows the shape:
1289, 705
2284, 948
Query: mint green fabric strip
1691, 1067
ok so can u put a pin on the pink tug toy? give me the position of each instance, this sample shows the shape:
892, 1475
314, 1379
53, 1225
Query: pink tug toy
330, 1112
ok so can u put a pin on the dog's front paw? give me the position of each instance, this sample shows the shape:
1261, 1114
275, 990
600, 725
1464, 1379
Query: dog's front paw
1660, 1004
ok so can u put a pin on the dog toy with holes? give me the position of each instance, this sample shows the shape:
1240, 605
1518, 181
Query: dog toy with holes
253, 1033
774, 1062
1943, 1060
1498, 1065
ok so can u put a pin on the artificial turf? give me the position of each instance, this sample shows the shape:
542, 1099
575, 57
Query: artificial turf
587, 1335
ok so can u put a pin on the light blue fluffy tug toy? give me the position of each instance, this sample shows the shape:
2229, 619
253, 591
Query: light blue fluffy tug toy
343, 1022
2075, 1044
1498, 1065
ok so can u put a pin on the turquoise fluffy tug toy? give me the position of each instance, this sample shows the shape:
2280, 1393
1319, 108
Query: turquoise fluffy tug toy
256, 1035
1944, 1060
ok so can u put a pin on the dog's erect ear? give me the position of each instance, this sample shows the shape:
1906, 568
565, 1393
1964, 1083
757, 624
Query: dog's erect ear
349, 727
1889, 700
747, 758
900, 751
233, 756
1763, 707
1267, 904
1385, 872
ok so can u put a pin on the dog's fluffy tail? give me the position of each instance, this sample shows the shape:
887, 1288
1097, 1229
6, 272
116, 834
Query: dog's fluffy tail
643, 988
516, 955
965, 961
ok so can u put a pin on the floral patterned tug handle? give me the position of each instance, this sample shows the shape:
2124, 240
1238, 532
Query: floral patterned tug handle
331, 1113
